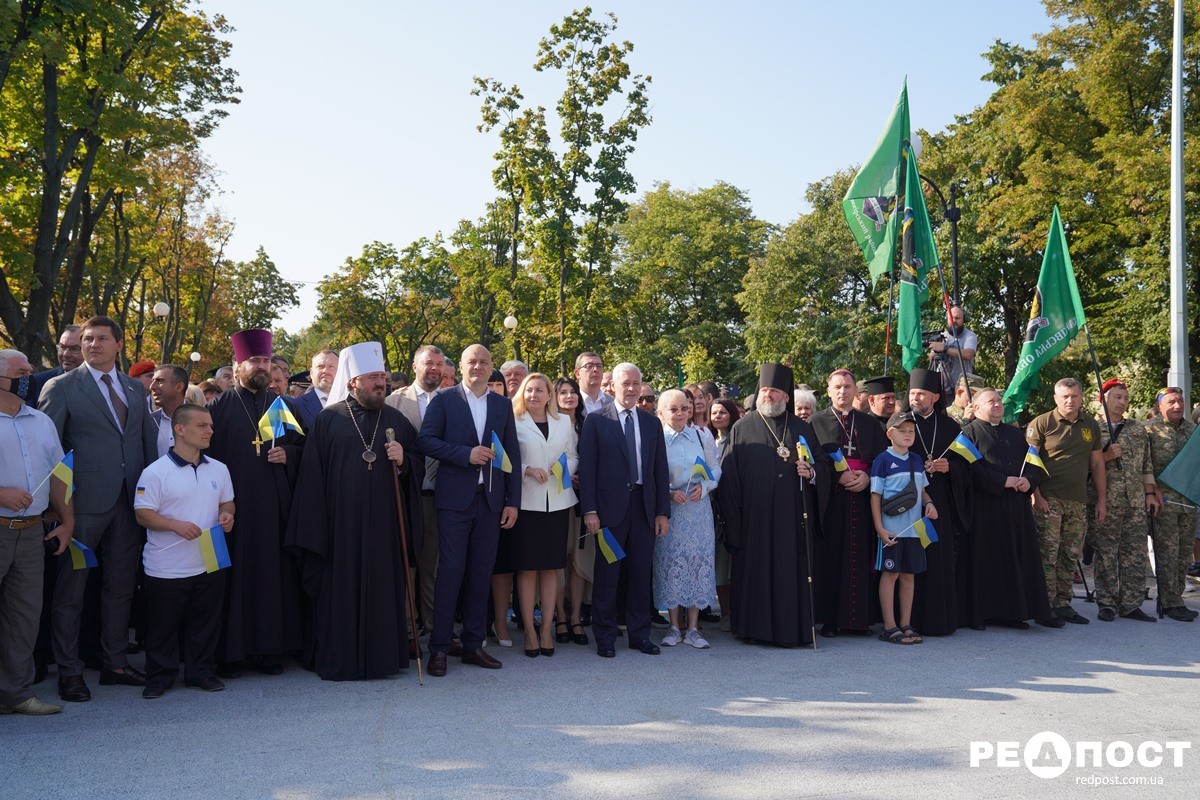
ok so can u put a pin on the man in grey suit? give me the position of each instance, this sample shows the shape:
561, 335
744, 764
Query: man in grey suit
101, 415
412, 401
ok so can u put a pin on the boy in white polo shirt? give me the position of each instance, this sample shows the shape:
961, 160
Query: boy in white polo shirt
178, 497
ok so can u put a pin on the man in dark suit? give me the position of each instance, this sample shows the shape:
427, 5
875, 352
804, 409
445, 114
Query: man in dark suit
102, 415
474, 499
70, 356
324, 368
625, 488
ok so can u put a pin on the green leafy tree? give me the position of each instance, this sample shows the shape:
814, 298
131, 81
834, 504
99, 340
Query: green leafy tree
257, 292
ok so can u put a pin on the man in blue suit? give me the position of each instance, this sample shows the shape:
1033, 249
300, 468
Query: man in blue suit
624, 487
70, 356
323, 369
474, 500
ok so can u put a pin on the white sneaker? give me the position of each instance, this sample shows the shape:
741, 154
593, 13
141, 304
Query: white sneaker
726, 624
672, 638
696, 640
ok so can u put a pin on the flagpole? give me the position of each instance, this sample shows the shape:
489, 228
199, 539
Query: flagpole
1112, 434
887, 341
808, 552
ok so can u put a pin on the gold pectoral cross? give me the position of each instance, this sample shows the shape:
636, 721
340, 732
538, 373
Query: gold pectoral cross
257, 445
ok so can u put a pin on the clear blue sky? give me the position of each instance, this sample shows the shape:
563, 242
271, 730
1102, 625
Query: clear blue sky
357, 124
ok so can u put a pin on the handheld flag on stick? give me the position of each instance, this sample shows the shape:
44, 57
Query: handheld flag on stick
561, 474
213, 549
917, 257
839, 460
276, 420
82, 556
1055, 316
500, 458
608, 546
64, 471
925, 531
701, 470
1033, 457
802, 450
965, 448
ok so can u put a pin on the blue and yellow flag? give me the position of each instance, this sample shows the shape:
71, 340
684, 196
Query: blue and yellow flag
213, 549
965, 448
561, 475
82, 556
64, 470
1033, 457
276, 420
925, 531
839, 460
500, 458
608, 546
701, 470
803, 451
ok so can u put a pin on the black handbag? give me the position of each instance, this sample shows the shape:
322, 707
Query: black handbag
904, 499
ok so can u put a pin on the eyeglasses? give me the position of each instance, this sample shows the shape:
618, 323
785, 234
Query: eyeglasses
649, 398
591, 366
70, 349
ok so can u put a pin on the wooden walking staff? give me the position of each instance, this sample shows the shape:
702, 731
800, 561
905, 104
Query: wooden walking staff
390, 433
808, 551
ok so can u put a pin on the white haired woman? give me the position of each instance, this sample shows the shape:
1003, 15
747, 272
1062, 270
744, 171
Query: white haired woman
684, 572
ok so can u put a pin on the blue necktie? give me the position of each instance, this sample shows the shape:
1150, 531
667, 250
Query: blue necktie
631, 448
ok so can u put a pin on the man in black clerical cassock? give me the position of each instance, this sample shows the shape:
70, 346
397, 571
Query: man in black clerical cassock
847, 590
770, 495
262, 601
935, 602
344, 527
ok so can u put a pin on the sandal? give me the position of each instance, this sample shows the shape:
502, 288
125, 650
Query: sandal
581, 637
561, 634
893, 636
911, 633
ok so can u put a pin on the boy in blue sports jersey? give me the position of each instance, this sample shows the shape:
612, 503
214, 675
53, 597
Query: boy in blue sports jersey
901, 555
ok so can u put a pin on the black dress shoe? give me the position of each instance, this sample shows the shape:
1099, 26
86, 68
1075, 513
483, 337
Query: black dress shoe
128, 677
270, 668
480, 658
154, 691
1106, 615
1177, 613
707, 615
437, 665
606, 651
72, 689
546, 651
1139, 615
829, 631
534, 653
581, 637
229, 671
1051, 622
648, 647
208, 683
1068, 614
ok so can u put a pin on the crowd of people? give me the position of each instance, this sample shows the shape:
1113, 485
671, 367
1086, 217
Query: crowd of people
366, 520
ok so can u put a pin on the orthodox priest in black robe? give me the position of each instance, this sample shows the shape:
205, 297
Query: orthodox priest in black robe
344, 527
935, 601
847, 587
262, 599
1006, 584
770, 495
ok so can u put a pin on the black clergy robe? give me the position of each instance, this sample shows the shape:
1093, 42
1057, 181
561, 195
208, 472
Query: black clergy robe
345, 533
1002, 557
770, 519
935, 599
847, 589
262, 592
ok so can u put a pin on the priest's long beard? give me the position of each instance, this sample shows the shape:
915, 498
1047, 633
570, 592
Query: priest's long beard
771, 409
369, 400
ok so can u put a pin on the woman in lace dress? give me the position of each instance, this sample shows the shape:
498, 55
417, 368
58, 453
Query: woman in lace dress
684, 573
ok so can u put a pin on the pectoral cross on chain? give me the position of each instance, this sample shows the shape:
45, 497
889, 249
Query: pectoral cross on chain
257, 445
850, 448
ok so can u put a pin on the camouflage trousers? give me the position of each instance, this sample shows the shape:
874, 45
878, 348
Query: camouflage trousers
1174, 531
1060, 535
1120, 563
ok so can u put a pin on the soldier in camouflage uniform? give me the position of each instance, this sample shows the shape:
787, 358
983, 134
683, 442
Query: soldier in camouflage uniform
1068, 441
1175, 525
1119, 542
960, 410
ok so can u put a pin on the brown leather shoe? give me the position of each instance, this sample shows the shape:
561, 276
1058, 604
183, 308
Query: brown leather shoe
480, 658
456, 648
127, 677
437, 665
73, 689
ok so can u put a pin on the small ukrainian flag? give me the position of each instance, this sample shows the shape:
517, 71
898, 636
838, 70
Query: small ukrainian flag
561, 475
1033, 457
276, 420
803, 451
925, 531
500, 458
839, 460
607, 543
214, 550
701, 469
64, 470
82, 556
965, 448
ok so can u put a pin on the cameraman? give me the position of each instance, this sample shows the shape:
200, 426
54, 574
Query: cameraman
956, 350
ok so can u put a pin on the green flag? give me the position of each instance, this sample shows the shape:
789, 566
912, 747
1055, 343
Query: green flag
917, 257
873, 195
1183, 473
1055, 316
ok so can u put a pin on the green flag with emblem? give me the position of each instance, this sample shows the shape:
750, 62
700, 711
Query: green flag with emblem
917, 257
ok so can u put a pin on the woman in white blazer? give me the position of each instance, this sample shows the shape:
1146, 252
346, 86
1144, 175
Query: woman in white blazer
549, 457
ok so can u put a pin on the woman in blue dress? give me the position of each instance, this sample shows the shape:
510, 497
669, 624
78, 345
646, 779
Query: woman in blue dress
684, 573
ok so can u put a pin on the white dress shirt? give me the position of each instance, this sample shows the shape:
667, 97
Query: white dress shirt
117, 386
478, 406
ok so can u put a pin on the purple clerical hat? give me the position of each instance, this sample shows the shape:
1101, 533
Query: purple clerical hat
249, 343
